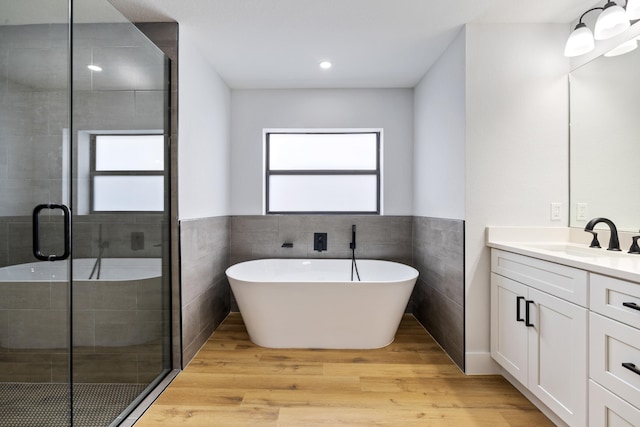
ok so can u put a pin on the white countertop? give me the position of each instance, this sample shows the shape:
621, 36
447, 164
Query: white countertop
559, 245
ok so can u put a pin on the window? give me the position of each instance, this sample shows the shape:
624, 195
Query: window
127, 173
322, 172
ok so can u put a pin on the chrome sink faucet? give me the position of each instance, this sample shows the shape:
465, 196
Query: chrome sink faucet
614, 243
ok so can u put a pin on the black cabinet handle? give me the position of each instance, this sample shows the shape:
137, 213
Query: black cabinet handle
632, 305
36, 232
527, 320
518, 314
631, 367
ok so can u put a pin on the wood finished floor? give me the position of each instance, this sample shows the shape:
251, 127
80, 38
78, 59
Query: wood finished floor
232, 382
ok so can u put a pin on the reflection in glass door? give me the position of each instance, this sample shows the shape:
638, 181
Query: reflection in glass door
82, 339
34, 295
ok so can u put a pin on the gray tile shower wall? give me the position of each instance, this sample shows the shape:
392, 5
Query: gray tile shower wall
205, 296
438, 298
378, 237
33, 76
15, 249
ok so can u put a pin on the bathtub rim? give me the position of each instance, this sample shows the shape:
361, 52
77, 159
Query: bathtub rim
410, 269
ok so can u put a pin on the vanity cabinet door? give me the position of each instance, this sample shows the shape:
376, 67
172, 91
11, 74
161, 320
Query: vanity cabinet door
539, 338
508, 330
558, 373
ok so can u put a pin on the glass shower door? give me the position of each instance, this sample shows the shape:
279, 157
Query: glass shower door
83, 125
34, 294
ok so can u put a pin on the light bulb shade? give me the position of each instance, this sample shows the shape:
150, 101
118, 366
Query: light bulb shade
611, 22
633, 10
625, 47
579, 42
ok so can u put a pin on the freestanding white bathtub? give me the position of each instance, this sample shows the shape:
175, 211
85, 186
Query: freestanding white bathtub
312, 303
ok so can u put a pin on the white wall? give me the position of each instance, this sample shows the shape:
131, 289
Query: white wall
439, 136
516, 150
254, 110
204, 135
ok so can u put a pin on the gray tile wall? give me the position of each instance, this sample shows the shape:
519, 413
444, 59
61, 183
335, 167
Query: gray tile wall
205, 295
33, 74
116, 230
438, 297
377, 237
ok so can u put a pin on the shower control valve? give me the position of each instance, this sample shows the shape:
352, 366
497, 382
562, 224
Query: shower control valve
319, 242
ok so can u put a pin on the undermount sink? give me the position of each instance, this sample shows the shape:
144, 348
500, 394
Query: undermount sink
575, 249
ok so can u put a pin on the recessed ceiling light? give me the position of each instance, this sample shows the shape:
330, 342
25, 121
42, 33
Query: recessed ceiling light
325, 65
94, 67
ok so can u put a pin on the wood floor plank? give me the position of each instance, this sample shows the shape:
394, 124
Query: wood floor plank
296, 417
392, 370
411, 382
210, 416
335, 399
189, 396
248, 368
453, 392
269, 382
437, 398
345, 356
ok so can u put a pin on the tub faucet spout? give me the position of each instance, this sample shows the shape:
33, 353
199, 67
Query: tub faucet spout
614, 243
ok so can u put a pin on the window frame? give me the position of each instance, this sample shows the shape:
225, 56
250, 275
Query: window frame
93, 173
377, 172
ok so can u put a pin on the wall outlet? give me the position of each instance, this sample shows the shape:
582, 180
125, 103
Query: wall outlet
556, 211
581, 212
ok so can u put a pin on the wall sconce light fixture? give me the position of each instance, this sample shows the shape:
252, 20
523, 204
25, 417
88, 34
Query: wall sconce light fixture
613, 20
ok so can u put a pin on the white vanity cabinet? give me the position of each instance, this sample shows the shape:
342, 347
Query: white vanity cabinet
614, 356
539, 330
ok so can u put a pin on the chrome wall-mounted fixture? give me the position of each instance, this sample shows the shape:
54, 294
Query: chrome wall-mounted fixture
613, 20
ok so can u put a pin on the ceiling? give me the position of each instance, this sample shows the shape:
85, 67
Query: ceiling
371, 43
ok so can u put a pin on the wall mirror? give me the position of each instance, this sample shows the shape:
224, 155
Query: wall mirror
605, 141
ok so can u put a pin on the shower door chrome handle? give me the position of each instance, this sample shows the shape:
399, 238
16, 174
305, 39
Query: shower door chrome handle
36, 232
